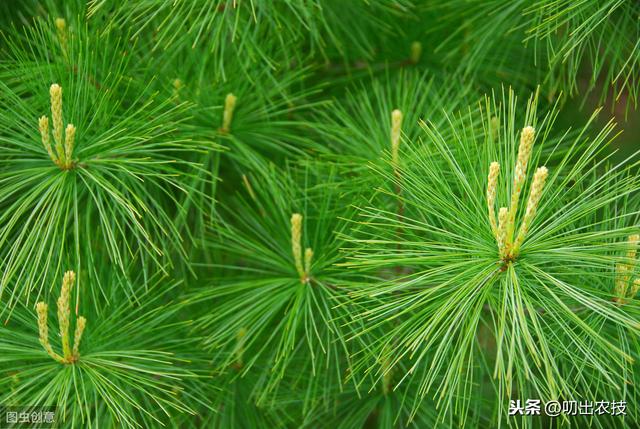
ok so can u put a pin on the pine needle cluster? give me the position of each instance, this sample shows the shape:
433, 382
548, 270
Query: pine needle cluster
319, 214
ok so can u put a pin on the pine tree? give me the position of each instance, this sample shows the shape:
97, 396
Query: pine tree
320, 214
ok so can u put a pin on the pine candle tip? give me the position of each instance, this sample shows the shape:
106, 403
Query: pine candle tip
43, 126
81, 323
494, 171
296, 240
526, 143
539, 179
396, 126
60, 158
43, 331
528, 132
41, 309
64, 312
492, 181
524, 153
502, 229
69, 278
537, 186
227, 116
69, 139
308, 258
416, 52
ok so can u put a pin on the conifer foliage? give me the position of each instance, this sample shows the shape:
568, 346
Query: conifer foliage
320, 214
